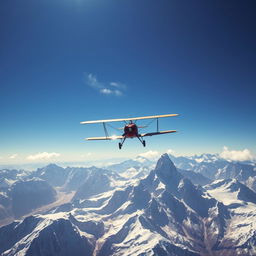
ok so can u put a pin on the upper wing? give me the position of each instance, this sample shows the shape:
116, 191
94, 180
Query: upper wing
127, 119
105, 138
156, 133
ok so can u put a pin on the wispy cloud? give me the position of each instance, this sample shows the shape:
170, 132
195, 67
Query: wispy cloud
93, 81
43, 156
112, 88
13, 156
118, 85
236, 155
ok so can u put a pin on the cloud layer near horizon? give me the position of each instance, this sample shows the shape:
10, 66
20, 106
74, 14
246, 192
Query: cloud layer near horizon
236, 155
43, 156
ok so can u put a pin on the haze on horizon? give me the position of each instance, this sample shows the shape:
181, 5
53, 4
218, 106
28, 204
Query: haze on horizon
62, 62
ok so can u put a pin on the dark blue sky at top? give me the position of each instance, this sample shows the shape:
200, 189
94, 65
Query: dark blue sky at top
196, 58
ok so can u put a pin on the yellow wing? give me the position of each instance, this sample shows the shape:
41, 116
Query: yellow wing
127, 119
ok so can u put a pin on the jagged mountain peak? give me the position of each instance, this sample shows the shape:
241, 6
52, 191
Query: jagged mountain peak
167, 173
164, 157
182, 188
165, 168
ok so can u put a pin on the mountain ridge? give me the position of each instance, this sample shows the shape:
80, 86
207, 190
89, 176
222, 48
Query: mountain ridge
163, 213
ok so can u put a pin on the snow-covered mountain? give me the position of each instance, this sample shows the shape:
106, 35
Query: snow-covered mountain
164, 213
43, 236
22, 194
213, 167
231, 192
53, 174
240, 225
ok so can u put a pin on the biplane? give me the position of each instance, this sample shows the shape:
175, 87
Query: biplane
130, 130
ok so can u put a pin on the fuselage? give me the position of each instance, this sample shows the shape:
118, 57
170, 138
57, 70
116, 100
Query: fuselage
130, 130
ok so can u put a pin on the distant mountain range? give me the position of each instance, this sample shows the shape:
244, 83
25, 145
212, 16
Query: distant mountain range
205, 206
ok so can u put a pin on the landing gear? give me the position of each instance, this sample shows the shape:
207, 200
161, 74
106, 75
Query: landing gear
143, 142
120, 144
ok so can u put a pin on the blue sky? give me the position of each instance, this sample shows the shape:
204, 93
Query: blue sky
62, 62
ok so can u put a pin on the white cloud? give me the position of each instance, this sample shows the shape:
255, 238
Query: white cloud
151, 155
13, 156
236, 155
170, 151
109, 91
113, 88
43, 156
106, 91
118, 85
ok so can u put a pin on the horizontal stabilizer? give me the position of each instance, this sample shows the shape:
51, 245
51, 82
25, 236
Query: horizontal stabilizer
156, 133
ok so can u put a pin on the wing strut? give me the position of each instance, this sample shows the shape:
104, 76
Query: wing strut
105, 130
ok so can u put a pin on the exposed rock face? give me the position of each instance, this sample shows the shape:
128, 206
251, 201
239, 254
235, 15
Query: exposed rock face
60, 238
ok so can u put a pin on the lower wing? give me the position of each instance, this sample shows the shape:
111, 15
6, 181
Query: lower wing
106, 138
156, 133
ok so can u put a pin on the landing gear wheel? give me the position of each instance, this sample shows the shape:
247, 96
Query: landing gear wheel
144, 143
120, 145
